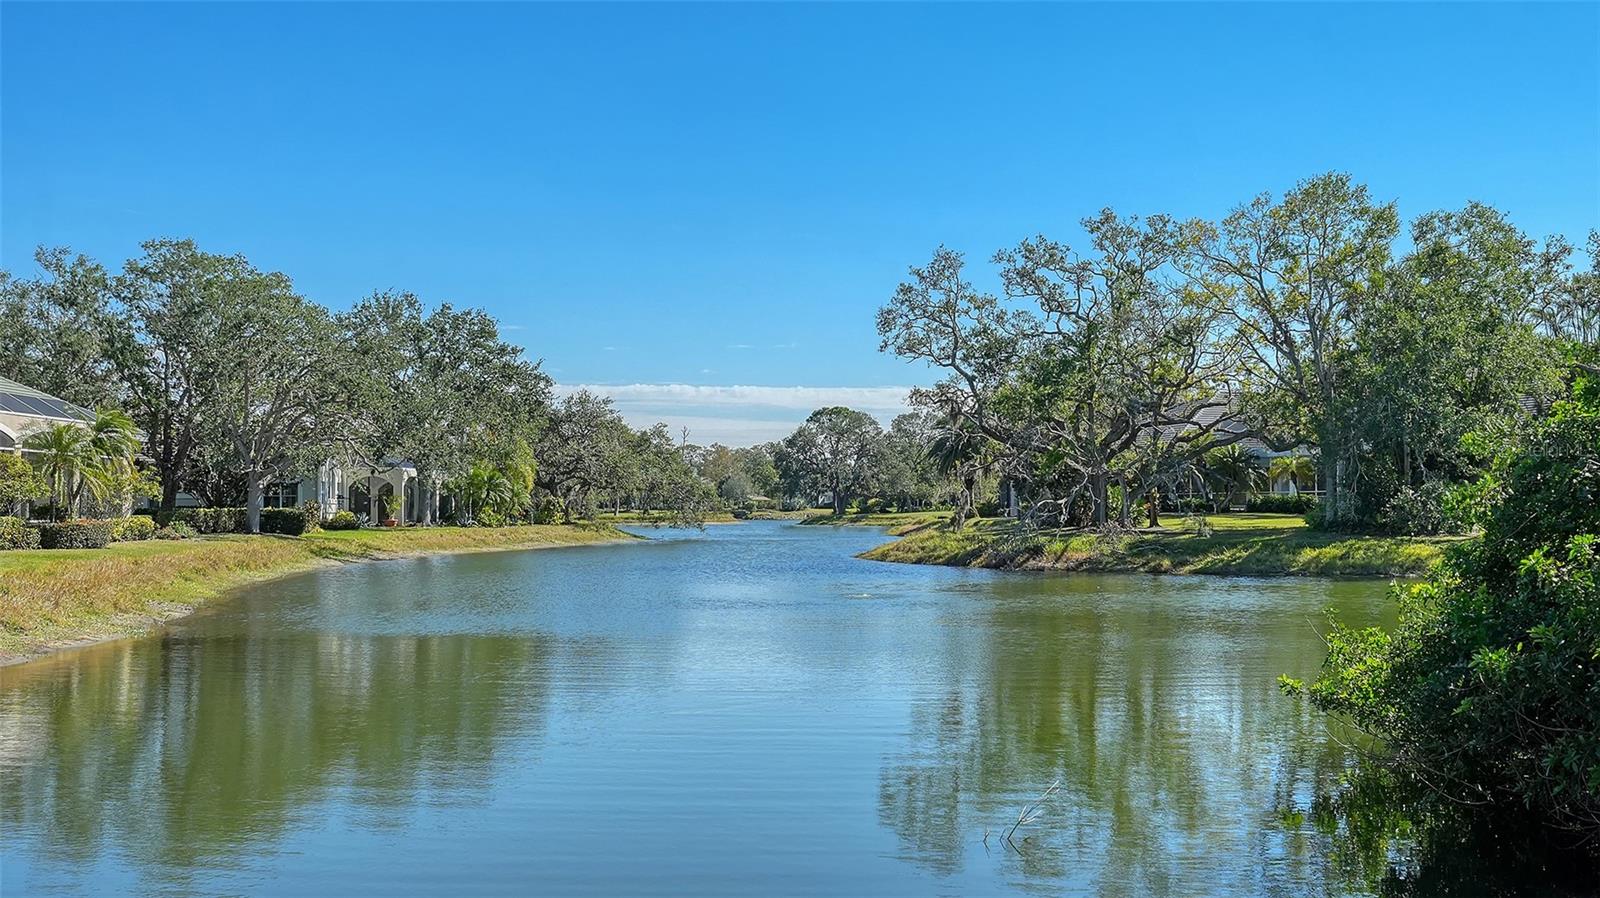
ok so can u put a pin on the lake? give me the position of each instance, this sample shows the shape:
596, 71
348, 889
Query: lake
748, 710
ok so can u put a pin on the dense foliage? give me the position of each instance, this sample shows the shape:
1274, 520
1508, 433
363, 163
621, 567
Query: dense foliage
132, 528
16, 534
75, 535
1488, 689
1101, 378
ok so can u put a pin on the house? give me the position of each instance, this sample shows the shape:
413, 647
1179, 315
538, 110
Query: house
391, 487
1263, 454
24, 410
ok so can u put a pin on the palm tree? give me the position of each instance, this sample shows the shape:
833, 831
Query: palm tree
957, 451
485, 486
115, 442
1293, 468
64, 453
1232, 471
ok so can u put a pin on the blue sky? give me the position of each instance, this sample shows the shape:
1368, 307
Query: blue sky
711, 197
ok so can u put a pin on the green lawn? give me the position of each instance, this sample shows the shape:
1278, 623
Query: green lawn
51, 596
1240, 544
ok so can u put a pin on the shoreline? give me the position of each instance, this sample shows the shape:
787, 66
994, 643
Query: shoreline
190, 575
1241, 545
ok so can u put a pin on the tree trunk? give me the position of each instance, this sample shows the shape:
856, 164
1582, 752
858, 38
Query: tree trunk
838, 498
252, 503
1155, 507
425, 496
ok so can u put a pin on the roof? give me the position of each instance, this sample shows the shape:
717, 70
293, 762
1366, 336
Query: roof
18, 399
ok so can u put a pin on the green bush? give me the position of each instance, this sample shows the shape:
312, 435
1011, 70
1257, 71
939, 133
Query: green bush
342, 520
290, 521
1281, 503
132, 529
488, 517
313, 512
175, 530
212, 520
1488, 687
1418, 511
75, 535
16, 534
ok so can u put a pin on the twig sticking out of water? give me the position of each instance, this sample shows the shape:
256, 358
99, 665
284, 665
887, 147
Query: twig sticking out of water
1031, 812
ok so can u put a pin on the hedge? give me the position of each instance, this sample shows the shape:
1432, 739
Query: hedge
75, 535
342, 520
1282, 503
291, 521
212, 520
16, 534
132, 529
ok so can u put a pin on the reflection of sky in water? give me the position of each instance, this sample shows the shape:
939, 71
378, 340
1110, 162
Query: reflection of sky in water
743, 710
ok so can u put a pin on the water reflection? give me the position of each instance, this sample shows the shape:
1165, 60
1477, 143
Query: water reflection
189, 753
1160, 716
749, 710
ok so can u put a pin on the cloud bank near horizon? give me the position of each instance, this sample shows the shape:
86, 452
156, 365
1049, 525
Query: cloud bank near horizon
738, 415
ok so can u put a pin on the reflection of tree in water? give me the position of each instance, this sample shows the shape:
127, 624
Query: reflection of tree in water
188, 753
1167, 732
1385, 836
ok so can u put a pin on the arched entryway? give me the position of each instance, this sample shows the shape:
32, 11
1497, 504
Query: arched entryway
360, 499
388, 504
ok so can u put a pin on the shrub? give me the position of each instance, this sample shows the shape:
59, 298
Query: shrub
132, 529
313, 512
546, 511
342, 520
1488, 684
75, 535
290, 521
212, 520
175, 530
1418, 511
16, 534
1281, 503
488, 517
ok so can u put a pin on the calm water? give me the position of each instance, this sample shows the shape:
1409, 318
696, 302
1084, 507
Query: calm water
750, 710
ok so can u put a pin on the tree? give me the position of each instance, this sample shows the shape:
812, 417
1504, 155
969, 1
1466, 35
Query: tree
66, 459
283, 390
174, 298
484, 486
1232, 473
1293, 468
1484, 693
586, 446
1114, 372
907, 472
19, 482
834, 450
60, 329
1450, 340
449, 391
1292, 277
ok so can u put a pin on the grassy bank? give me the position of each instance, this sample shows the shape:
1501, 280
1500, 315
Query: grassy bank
1241, 544
657, 518
59, 597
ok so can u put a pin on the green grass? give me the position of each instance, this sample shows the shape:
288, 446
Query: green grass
1250, 544
899, 522
50, 597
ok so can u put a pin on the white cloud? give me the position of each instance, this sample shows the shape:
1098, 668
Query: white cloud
738, 415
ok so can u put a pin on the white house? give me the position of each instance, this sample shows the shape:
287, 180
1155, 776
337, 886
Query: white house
391, 487
24, 410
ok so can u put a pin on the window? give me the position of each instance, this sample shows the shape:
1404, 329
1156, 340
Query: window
284, 494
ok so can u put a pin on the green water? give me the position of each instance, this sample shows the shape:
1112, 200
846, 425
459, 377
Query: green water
747, 711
